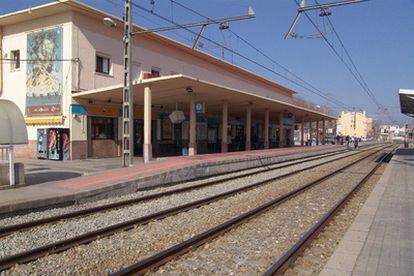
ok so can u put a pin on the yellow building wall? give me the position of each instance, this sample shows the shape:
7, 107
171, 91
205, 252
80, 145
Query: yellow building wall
355, 124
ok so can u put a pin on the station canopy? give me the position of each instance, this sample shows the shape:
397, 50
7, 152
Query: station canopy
407, 102
170, 91
12, 126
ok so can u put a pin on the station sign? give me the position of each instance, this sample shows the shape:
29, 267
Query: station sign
288, 119
199, 107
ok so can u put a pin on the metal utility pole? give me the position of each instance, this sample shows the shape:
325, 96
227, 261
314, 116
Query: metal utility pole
127, 94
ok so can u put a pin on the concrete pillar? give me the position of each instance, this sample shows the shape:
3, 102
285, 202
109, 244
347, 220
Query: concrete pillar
292, 132
310, 133
266, 129
317, 132
147, 154
334, 128
192, 147
224, 142
302, 132
323, 132
249, 127
281, 131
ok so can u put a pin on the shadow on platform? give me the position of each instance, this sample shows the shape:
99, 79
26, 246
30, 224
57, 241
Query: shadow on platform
42, 177
409, 151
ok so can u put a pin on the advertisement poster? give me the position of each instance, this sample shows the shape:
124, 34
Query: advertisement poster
53, 144
44, 72
65, 146
42, 143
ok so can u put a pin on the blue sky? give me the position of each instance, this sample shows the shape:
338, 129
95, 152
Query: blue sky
378, 34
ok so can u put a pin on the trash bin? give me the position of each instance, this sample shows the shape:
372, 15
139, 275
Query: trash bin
185, 151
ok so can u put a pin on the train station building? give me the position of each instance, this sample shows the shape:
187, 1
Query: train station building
64, 69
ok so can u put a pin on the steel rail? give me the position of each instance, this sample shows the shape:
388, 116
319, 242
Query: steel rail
7, 230
281, 265
33, 254
164, 256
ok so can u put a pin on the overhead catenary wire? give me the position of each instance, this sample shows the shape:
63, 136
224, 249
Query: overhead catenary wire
329, 99
379, 105
360, 82
237, 54
265, 55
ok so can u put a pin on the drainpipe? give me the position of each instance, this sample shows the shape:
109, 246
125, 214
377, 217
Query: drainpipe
1, 62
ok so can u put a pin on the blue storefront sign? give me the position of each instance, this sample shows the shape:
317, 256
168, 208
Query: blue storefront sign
79, 109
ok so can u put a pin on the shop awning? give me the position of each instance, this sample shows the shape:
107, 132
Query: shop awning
12, 126
407, 102
169, 92
55, 120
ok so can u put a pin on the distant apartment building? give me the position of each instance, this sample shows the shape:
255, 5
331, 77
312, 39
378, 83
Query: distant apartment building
356, 124
396, 132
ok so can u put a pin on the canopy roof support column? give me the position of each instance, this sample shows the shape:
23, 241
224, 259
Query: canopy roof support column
224, 134
281, 132
292, 133
266, 129
302, 132
323, 132
193, 125
317, 132
310, 133
248, 126
147, 154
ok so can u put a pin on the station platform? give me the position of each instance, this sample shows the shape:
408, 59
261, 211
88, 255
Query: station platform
126, 180
381, 239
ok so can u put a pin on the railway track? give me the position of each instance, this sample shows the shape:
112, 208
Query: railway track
162, 257
30, 255
290, 256
7, 230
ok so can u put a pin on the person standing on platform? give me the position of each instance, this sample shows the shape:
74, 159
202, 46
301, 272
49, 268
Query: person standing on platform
356, 143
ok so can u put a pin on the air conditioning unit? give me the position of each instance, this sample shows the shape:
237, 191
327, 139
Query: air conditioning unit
177, 117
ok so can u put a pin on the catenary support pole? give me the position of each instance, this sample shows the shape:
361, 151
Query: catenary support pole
127, 93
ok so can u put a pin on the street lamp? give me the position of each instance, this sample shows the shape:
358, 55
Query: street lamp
109, 22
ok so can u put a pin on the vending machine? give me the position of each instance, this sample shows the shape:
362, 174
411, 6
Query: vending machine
42, 143
58, 144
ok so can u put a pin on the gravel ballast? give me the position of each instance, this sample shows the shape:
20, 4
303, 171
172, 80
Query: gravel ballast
129, 246
253, 247
65, 229
313, 260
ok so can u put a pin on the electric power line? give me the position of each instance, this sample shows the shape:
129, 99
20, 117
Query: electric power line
265, 55
380, 106
233, 52
361, 83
